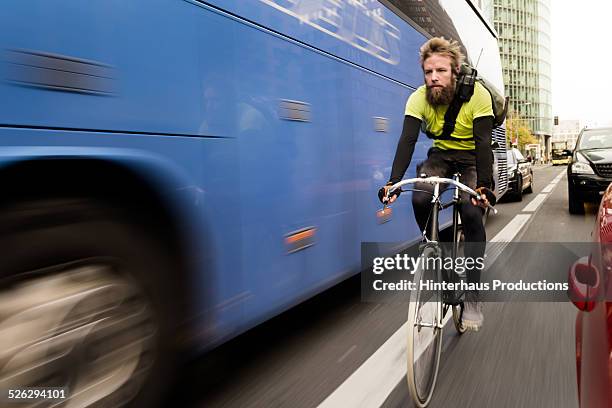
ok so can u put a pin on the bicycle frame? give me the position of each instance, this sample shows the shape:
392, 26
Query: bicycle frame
434, 233
431, 234
437, 207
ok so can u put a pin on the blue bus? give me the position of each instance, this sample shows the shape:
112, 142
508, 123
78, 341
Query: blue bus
175, 172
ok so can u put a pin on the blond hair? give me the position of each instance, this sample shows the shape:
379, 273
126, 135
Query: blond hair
441, 46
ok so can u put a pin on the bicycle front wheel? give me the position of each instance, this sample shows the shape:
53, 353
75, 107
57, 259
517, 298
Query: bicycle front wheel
425, 328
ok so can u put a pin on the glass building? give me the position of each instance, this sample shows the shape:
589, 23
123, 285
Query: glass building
524, 30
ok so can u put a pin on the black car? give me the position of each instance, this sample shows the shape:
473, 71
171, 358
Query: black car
520, 175
590, 171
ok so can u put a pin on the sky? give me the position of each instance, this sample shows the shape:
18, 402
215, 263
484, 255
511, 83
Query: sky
581, 63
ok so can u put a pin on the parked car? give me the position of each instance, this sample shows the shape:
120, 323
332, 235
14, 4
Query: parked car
590, 290
590, 171
520, 175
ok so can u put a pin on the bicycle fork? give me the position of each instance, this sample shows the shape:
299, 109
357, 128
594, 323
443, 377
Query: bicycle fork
437, 324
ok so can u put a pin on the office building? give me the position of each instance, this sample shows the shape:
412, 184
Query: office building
523, 27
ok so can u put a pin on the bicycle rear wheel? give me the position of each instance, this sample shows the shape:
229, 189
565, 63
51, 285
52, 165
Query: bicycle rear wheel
457, 309
424, 330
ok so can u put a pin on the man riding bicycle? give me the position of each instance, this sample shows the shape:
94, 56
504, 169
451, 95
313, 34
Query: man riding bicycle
465, 150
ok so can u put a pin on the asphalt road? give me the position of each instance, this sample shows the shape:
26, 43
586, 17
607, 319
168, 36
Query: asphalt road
523, 356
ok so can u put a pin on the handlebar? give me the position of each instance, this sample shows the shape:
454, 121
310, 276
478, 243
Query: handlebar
437, 180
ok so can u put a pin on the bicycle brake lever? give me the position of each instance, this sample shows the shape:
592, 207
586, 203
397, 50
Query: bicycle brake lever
489, 206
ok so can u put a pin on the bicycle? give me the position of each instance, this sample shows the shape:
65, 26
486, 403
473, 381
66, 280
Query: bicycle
427, 309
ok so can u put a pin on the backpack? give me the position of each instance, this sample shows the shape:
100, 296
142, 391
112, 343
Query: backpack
466, 81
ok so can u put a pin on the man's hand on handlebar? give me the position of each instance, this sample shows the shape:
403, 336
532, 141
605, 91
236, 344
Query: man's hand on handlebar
382, 194
486, 197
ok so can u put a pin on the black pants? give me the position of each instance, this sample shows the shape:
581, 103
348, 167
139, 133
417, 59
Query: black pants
445, 163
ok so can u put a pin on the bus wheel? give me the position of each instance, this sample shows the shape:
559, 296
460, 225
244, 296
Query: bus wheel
81, 304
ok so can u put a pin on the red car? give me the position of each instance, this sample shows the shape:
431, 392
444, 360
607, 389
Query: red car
590, 289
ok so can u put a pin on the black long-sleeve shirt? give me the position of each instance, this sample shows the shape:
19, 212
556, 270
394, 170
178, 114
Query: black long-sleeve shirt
482, 128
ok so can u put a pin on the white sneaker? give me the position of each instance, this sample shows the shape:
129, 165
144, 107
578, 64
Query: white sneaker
472, 318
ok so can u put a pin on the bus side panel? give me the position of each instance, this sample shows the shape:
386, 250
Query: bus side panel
365, 33
378, 120
294, 173
133, 68
374, 100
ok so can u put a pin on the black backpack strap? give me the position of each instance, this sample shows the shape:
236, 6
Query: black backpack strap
450, 119
463, 93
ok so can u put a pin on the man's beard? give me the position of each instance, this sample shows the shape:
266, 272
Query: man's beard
441, 95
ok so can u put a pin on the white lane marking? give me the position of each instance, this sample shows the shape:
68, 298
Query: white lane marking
494, 250
373, 381
555, 181
371, 384
535, 203
549, 188
508, 233
560, 176
349, 351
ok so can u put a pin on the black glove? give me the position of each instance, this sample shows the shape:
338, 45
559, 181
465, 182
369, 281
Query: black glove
381, 192
489, 194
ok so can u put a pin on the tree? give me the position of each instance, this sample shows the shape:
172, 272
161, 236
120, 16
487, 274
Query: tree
516, 125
